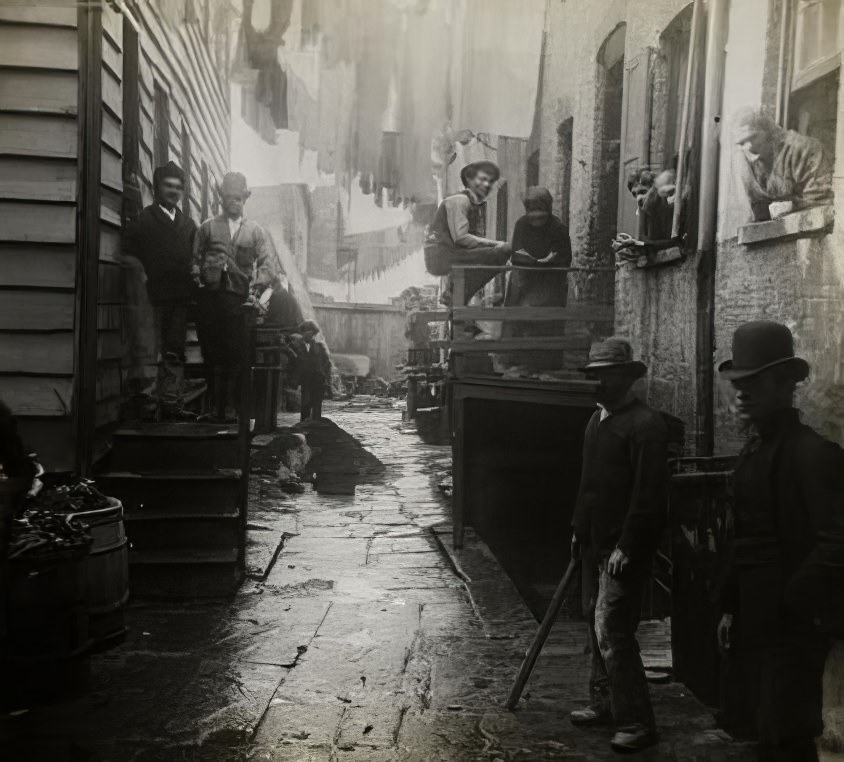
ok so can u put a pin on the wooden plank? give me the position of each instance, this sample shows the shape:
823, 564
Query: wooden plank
34, 396
36, 310
113, 25
21, 221
53, 14
112, 93
36, 353
535, 314
111, 206
109, 345
39, 47
44, 266
112, 133
508, 345
112, 58
109, 245
111, 170
46, 92
147, 130
31, 135
38, 179
110, 282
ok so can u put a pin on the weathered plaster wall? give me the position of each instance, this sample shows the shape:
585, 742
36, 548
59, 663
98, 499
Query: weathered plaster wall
655, 307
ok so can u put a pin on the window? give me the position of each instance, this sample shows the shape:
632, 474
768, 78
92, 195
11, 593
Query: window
565, 134
161, 149
817, 45
186, 168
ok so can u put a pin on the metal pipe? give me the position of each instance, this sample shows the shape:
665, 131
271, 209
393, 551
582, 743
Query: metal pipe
697, 14
716, 40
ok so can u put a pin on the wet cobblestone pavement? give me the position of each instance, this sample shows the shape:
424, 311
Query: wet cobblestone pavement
358, 636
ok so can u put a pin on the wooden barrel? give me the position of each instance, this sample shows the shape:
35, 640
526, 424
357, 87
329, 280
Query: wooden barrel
107, 574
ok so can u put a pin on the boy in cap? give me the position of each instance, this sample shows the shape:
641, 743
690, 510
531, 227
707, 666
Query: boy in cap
618, 519
314, 369
785, 588
233, 258
162, 239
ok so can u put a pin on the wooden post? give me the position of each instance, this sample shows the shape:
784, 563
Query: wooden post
458, 501
90, 33
244, 433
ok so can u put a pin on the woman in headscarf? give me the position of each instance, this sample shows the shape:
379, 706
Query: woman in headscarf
540, 240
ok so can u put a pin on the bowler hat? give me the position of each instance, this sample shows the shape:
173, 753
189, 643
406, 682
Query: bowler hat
759, 345
614, 352
234, 184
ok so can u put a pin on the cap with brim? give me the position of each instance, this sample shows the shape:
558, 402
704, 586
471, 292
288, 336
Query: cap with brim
636, 367
614, 353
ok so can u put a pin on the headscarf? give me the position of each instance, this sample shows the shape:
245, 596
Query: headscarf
538, 200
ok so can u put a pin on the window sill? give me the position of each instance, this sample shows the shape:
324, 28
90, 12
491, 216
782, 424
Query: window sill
656, 259
816, 220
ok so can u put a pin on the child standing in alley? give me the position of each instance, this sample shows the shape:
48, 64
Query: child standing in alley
314, 367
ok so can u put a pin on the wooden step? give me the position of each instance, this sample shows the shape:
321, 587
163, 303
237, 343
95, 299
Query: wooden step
183, 492
188, 446
185, 574
159, 531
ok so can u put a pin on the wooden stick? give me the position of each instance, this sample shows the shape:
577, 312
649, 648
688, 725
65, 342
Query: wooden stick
540, 637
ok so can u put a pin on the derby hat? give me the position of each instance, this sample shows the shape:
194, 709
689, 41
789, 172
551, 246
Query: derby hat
760, 345
234, 184
614, 352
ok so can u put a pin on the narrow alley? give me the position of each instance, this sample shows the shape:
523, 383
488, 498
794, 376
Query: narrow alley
358, 636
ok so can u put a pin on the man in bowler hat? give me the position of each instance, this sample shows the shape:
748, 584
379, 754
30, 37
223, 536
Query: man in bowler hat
618, 519
783, 596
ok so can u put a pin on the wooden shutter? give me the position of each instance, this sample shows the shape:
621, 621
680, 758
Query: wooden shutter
635, 134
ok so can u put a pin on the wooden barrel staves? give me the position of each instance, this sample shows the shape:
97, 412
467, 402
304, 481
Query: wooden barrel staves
107, 574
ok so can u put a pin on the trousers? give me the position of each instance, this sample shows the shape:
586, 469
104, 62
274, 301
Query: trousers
613, 605
170, 320
313, 391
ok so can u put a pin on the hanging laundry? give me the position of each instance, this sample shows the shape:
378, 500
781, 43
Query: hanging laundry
499, 79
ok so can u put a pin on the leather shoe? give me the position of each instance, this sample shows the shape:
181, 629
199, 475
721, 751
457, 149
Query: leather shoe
633, 739
590, 716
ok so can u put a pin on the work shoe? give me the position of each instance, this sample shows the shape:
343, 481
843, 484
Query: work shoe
634, 738
592, 715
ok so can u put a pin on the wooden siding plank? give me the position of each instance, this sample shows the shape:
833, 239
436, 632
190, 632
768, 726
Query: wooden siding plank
30, 135
38, 266
34, 396
112, 93
36, 47
53, 15
113, 57
36, 310
21, 221
36, 353
45, 92
38, 179
109, 246
111, 170
109, 345
112, 133
110, 281
113, 25
109, 317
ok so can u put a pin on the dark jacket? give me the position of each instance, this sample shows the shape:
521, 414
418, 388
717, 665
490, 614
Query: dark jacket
789, 517
623, 485
165, 249
313, 360
540, 289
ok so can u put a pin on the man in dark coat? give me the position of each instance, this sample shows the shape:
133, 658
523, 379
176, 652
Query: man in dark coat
162, 240
785, 590
618, 519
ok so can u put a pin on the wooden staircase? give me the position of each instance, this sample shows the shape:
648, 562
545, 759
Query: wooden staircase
184, 491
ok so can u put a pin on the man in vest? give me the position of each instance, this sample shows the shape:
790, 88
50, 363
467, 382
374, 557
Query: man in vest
618, 520
161, 239
784, 594
459, 226
233, 260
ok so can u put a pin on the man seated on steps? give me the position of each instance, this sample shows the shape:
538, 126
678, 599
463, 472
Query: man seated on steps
161, 239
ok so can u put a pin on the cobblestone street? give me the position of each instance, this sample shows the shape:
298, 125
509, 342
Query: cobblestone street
358, 636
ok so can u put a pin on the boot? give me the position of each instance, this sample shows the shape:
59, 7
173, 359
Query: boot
591, 715
634, 738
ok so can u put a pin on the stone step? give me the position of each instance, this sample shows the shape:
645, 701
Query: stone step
169, 531
185, 574
200, 446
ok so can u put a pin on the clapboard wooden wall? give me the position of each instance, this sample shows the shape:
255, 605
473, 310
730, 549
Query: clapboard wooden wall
41, 204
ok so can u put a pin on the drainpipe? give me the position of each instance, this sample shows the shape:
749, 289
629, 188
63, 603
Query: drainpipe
716, 41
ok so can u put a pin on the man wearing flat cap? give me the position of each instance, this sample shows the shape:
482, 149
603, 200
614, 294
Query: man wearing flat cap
784, 593
459, 226
161, 239
618, 520
233, 259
